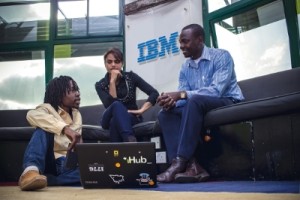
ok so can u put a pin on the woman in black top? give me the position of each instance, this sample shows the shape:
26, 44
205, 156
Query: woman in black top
117, 91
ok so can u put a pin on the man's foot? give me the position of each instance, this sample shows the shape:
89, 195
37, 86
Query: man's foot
193, 173
178, 165
32, 180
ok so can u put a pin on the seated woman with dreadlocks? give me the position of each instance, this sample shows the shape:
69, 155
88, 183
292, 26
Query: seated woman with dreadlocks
117, 91
58, 128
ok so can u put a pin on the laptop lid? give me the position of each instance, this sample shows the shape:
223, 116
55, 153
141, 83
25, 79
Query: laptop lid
117, 165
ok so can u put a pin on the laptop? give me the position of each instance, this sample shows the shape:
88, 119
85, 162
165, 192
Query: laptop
117, 165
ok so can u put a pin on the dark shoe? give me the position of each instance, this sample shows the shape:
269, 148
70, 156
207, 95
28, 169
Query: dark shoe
32, 180
178, 165
131, 138
194, 173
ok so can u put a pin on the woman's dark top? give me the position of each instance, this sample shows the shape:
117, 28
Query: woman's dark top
126, 90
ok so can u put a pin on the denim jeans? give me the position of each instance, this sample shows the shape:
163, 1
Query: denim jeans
181, 126
39, 153
119, 122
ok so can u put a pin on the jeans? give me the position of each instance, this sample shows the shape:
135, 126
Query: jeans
39, 153
119, 122
181, 126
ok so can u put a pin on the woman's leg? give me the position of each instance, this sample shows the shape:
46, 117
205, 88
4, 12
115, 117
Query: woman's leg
119, 122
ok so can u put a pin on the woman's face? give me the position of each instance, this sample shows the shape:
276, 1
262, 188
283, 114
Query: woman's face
111, 63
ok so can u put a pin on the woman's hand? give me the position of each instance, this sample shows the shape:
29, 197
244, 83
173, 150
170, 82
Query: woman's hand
115, 75
136, 112
140, 111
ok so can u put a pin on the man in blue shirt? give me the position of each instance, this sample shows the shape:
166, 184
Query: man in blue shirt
207, 81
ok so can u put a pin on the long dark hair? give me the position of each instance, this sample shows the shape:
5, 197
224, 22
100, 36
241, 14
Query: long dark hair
57, 88
116, 52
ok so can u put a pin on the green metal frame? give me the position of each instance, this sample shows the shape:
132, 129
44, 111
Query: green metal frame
48, 45
242, 6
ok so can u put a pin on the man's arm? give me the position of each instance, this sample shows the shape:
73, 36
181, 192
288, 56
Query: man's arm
73, 136
46, 119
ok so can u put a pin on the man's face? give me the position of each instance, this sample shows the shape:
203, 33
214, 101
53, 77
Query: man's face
190, 45
71, 98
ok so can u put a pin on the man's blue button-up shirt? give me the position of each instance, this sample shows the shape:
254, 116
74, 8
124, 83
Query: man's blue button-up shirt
213, 75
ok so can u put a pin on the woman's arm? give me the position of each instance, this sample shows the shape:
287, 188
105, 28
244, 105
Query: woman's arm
140, 111
146, 88
103, 94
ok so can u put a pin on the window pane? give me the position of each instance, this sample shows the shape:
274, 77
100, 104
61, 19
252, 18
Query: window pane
24, 22
259, 45
104, 17
217, 4
76, 18
71, 17
85, 64
22, 79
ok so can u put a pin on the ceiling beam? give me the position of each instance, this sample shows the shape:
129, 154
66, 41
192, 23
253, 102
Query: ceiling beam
139, 5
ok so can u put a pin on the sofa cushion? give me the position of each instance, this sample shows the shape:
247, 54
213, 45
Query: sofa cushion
255, 109
92, 132
270, 85
89, 132
13, 118
16, 133
97, 133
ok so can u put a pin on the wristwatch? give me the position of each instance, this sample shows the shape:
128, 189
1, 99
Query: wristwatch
182, 95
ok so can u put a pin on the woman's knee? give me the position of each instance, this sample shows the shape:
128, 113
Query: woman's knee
118, 107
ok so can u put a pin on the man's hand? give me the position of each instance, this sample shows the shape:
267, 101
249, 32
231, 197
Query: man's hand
168, 100
73, 136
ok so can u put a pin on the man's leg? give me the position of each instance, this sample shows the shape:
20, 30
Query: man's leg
189, 134
40, 145
169, 122
191, 126
64, 176
192, 122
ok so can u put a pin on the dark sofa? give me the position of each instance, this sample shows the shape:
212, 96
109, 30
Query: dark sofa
239, 132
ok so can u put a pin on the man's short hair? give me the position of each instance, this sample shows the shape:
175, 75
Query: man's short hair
197, 30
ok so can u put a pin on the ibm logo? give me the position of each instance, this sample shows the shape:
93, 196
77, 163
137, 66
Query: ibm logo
152, 49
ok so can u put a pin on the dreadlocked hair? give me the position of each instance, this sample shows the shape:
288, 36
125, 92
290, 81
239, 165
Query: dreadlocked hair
57, 88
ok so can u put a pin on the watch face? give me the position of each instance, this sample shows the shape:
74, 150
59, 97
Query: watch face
182, 95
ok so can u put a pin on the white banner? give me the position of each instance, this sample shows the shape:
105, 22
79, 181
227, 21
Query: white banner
151, 41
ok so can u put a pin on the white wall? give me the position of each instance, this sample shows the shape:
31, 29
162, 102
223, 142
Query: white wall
151, 24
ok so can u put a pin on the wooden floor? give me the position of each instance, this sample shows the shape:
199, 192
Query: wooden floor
78, 193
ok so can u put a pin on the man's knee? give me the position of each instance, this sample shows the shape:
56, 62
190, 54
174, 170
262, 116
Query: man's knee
162, 114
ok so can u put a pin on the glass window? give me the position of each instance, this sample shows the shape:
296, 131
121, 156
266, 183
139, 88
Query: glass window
257, 40
24, 21
217, 4
86, 18
22, 79
85, 64
104, 17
